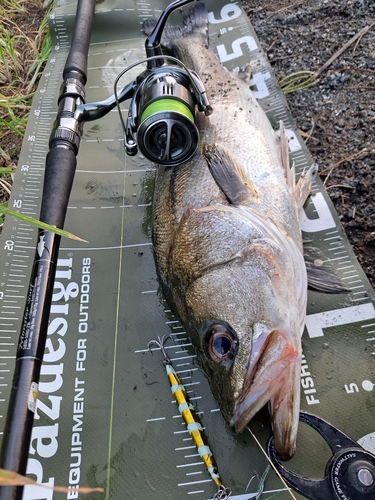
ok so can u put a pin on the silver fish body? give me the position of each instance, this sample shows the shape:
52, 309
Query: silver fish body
228, 247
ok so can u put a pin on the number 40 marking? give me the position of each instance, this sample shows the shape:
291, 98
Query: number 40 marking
236, 47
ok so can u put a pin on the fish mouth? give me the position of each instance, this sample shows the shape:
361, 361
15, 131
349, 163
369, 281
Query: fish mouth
274, 377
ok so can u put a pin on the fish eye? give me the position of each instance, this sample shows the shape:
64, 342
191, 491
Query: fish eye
221, 343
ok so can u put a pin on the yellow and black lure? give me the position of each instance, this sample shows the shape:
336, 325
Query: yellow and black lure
191, 420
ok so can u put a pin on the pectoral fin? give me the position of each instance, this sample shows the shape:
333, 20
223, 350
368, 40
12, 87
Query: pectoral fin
321, 277
229, 175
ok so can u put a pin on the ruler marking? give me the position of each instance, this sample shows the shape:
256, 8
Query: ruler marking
195, 482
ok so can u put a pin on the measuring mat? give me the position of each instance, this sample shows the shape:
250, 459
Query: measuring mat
105, 414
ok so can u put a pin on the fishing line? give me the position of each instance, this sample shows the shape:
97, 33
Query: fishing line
118, 304
272, 465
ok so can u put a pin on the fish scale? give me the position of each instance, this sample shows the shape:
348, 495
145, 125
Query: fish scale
240, 124
193, 235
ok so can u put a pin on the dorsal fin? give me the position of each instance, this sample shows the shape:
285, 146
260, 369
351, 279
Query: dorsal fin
304, 185
284, 153
302, 188
229, 175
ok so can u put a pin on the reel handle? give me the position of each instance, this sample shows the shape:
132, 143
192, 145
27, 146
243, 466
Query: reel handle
153, 46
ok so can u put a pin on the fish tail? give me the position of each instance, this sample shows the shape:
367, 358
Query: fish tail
196, 22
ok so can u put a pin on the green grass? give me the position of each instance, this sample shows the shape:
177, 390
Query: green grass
298, 81
4, 210
25, 45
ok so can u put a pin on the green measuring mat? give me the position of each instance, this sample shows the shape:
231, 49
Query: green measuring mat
105, 414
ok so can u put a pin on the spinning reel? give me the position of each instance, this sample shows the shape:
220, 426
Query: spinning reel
161, 118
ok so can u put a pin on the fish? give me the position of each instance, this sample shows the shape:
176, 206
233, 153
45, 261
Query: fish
228, 247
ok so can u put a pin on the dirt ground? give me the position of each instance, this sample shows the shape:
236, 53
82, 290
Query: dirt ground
337, 115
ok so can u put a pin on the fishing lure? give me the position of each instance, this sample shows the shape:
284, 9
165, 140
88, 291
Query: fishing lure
191, 420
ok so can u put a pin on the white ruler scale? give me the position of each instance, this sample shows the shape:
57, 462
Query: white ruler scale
106, 416
18, 238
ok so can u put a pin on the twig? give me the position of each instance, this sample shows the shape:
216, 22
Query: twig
325, 24
308, 136
283, 9
360, 87
356, 45
270, 47
354, 156
6, 186
311, 131
340, 186
343, 48
282, 58
367, 70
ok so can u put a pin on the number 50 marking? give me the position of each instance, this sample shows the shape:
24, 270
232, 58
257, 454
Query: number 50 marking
236, 47
351, 388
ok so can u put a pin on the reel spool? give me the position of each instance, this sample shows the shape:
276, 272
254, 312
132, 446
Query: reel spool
167, 132
161, 118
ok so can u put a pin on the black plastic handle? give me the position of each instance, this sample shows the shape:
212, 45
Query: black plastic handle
58, 180
153, 47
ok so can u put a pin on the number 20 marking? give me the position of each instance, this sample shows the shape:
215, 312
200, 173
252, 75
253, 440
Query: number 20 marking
9, 244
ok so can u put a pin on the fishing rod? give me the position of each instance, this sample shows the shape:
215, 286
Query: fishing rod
60, 167
161, 123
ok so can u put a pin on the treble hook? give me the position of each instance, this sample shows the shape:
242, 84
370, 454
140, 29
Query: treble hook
222, 493
187, 412
261, 482
160, 342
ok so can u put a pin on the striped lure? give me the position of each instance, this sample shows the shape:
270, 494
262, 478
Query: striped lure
194, 427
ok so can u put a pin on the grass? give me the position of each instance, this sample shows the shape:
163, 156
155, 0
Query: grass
298, 81
25, 45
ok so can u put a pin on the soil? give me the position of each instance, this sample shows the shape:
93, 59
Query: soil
337, 115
